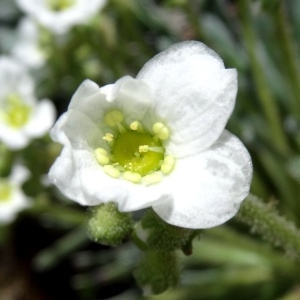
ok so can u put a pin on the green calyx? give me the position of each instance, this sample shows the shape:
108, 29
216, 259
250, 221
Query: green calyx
108, 226
126, 150
163, 236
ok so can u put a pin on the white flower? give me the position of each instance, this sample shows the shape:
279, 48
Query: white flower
27, 49
12, 198
157, 140
21, 116
60, 15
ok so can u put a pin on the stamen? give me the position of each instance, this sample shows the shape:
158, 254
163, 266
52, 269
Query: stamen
143, 148
137, 126
161, 131
113, 117
157, 149
121, 128
132, 176
101, 156
111, 171
109, 138
168, 164
146, 148
152, 178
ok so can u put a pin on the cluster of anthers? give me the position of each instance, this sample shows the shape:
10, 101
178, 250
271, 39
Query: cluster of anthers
5, 190
134, 153
59, 5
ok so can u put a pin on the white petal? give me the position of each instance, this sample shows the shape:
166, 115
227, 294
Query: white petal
89, 100
42, 119
65, 176
14, 78
78, 130
56, 132
26, 48
19, 174
209, 187
80, 178
99, 188
9, 209
194, 94
133, 97
14, 139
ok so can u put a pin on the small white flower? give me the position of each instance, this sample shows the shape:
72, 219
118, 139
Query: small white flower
27, 49
12, 198
157, 140
60, 15
21, 116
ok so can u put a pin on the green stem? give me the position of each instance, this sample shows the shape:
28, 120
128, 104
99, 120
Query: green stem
266, 222
291, 57
51, 256
263, 89
276, 170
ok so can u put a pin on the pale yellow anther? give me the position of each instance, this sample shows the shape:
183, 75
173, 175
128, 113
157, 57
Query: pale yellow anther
132, 176
101, 156
100, 151
136, 126
161, 131
156, 149
170, 160
111, 171
113, 117
152, 178
168, 164
143, 148
108, 137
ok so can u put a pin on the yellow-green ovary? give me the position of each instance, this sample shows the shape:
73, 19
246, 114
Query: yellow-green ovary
126, 152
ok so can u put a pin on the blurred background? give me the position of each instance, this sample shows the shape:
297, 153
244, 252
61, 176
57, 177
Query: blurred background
45, 252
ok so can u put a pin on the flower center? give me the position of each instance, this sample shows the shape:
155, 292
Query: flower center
59, 5
128, 152
15, 112
135, 154
5, 191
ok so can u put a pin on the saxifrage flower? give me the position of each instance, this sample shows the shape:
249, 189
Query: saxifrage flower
12, 198
22, 117
59, 16
157, 140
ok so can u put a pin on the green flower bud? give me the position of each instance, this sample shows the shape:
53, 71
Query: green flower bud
156, 234
157, 271
108, 226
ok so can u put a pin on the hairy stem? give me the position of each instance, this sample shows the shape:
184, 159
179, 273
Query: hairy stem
265, 221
